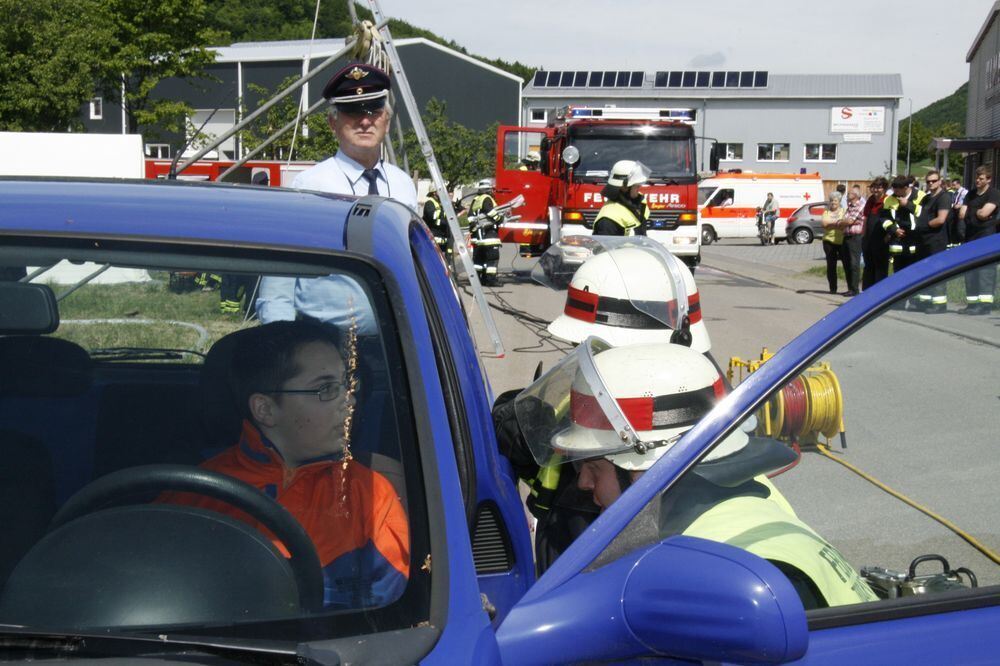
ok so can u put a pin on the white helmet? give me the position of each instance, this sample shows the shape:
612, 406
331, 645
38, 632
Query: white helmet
626, 173
626, 404
485, 185
533, 156
633, 291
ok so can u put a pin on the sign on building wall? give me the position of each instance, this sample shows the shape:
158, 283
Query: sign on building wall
857, 119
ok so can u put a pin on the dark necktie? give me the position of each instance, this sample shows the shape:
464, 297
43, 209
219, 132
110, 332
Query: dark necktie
371, 175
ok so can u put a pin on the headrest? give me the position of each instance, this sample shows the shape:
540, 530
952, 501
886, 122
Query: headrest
38, 366
221, 414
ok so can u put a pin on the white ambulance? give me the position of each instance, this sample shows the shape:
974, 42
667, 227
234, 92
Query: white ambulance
728, 202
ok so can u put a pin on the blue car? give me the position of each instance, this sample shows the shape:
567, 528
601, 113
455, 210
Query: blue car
123, 310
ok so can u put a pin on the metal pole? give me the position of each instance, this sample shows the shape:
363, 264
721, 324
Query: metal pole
909, 133
449, 211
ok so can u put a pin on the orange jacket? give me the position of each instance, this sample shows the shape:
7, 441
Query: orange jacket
353, 516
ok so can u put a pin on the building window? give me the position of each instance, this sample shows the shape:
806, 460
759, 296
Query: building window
97, 108
538, 116
158, 151
772, 152
821, 152
731, 152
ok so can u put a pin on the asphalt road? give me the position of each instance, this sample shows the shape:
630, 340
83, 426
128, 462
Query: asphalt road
904, 425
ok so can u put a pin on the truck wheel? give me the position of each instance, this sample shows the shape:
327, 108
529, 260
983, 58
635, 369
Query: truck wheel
708, 235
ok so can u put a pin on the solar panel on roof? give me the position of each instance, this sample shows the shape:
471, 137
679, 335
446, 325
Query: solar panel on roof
746, 79
673, 79
760, 80
660, 80
567, 79
540, 78
622, 80
609, 79
580, 80
636, 80
702, 79
732, 79
718, 79
687, 80
595, 79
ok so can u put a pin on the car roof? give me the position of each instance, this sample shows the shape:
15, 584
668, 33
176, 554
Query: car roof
177, 210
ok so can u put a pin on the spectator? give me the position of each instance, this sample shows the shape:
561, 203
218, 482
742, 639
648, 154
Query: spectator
874, 244
842, 191
833, 239
956, 223
853, 237
932, 237
980, 213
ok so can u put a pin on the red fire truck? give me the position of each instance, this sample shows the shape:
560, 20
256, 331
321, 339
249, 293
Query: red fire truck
578, 146
277, 173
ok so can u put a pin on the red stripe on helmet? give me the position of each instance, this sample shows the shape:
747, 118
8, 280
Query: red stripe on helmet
585, 411
694, 308
581, 305
720, 388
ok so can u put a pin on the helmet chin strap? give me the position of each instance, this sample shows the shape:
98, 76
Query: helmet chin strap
682, 335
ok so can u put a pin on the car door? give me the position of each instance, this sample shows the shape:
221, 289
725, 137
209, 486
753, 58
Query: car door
898, 484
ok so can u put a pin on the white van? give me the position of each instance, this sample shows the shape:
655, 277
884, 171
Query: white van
728, 203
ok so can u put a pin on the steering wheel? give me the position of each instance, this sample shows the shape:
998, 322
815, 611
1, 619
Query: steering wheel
121, 487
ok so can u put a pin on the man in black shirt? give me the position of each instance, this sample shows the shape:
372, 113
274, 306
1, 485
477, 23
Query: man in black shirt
932, 237
980, 214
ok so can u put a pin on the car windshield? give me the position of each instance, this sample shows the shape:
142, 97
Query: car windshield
207, 445
667, 156
704, 193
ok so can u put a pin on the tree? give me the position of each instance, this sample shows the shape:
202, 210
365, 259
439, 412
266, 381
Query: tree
155, 41
319, 144
464, 155
50, 59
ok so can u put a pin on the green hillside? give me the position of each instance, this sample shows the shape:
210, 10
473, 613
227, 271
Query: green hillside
268, 20
945, 111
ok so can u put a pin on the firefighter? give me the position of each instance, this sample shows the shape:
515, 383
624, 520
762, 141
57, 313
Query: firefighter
899, 219
484, 202
658, 392
531, 161
624, 212
433, 217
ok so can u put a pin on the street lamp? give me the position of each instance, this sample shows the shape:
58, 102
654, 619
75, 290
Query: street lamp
909, 134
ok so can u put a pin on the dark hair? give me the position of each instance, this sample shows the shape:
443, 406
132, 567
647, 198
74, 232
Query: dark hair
266, 359
984, 171
841, 188
900, 182
881, 181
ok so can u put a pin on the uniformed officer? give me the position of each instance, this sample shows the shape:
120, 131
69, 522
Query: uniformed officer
433, 216
899, 219
659, 392
624, 212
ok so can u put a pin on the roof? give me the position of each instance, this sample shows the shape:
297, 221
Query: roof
779, 86
211, 213
983, 30
300, 49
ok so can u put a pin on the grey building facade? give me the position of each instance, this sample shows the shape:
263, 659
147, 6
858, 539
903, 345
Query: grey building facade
982, 120
476, 93
842, 126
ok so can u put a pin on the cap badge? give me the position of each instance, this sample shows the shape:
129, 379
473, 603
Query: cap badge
357, 74
359, 91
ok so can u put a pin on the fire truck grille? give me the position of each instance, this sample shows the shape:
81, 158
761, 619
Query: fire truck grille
658, 219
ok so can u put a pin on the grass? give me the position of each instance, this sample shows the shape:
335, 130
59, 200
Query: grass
159, 316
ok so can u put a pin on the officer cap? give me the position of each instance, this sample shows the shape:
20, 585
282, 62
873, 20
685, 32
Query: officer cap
358, 87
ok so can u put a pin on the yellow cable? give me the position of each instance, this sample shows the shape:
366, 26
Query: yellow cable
903, 498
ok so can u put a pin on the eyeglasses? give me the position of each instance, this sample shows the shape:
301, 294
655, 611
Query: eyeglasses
325, 392
931, 182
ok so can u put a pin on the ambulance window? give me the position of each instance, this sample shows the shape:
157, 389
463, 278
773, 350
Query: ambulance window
723, 197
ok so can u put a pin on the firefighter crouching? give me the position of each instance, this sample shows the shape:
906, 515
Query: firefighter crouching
899, 219
624, 212
656, 393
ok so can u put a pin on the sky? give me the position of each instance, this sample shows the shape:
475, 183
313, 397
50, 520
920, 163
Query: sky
926, 41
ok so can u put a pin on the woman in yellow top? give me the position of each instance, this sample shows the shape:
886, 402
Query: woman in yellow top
833, 239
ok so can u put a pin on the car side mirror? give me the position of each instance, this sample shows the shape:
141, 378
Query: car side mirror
685, 597
27, 308
713, 158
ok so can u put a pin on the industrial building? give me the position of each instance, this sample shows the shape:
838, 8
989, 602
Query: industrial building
842, 126
476, 93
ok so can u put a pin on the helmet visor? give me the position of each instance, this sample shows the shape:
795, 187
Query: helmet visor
569, 414
653, 301
640, 174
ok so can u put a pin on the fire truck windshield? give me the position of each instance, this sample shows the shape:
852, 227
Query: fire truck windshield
669, 154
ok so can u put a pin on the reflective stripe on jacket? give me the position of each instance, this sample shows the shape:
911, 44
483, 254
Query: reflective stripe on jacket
621, 216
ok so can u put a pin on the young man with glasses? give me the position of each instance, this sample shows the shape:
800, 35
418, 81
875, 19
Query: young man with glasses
980, 214
297, 396
932, 237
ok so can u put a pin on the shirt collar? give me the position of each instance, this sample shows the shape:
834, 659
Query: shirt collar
353, 169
